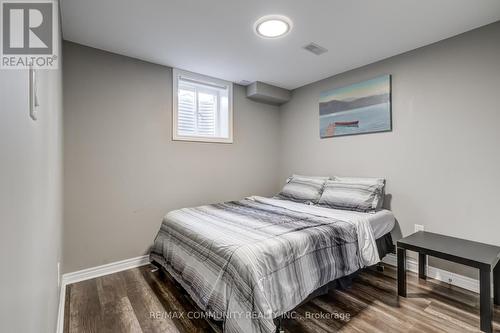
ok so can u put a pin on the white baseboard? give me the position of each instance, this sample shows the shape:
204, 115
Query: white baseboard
91, 273
60, 311
436, 273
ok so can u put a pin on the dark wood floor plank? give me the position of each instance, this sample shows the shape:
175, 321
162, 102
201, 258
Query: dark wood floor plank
120, 317
410, 309
85, 310
378, 316
148, 309
302, 324
111, 288
123, 302
364, 320
67, 303
116, 308
450, 313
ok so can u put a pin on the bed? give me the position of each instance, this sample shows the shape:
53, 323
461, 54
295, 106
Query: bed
249, 262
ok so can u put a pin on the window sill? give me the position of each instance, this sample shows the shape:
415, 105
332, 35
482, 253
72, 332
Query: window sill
202, 139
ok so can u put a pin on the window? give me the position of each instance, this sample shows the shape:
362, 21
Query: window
203, 108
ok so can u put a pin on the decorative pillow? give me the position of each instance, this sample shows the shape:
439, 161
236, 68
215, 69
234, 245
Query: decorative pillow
307, 177
359, 194
368, 181
303, 189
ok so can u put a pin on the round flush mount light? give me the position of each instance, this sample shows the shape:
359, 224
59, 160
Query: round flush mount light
273, 26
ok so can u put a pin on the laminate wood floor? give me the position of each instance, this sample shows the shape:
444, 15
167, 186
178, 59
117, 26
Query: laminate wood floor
139, 300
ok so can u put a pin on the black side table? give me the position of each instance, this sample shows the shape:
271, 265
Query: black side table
474, 254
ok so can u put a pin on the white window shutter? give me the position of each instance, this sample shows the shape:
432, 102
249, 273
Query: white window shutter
207, 109
186, 114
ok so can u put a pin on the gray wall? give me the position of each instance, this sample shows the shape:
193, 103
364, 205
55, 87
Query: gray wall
442, 158
30, 202
122, 171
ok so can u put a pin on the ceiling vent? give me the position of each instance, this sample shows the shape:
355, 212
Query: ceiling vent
315, 48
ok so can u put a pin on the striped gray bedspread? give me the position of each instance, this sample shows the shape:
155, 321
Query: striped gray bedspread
247, 262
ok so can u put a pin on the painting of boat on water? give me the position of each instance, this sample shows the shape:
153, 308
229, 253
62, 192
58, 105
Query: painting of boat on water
360, 108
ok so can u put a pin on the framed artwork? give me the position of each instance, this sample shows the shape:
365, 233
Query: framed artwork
360, 108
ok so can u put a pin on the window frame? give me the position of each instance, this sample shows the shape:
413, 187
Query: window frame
207, 80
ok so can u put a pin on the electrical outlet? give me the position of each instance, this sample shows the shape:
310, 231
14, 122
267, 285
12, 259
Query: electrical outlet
419, 227
59, 274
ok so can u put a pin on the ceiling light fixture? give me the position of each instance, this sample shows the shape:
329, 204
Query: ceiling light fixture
273, 26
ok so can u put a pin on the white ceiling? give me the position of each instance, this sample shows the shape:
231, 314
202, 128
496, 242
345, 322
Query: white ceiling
215, 37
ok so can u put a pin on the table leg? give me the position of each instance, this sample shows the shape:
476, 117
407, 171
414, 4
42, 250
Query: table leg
496, 284
485, 301
422, 263
401, 272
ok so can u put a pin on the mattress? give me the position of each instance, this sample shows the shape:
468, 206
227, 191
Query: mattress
381, 222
